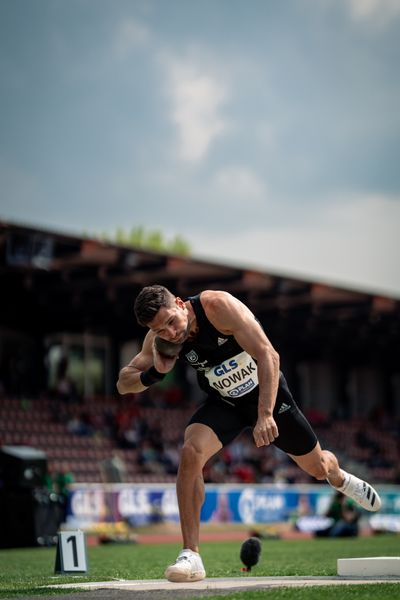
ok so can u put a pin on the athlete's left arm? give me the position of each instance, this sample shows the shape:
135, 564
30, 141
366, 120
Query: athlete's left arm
230, 316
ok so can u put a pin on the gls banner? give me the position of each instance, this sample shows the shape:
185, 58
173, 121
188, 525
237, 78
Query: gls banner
143, 504
137, 505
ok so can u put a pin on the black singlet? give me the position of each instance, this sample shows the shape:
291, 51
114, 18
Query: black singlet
228, 375
213, 355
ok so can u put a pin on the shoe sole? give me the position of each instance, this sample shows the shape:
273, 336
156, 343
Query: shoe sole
179, 577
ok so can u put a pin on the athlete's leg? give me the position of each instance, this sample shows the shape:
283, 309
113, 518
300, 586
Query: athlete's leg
321, 464
298, 440
200, 444
213, 425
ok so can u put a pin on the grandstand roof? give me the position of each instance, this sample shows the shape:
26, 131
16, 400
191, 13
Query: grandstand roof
51, 281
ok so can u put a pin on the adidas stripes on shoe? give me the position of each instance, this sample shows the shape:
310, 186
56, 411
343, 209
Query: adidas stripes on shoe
360, 491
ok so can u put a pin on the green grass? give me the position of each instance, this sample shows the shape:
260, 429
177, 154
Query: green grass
23, 572
381, 591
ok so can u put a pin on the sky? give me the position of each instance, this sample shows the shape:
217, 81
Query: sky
266, 133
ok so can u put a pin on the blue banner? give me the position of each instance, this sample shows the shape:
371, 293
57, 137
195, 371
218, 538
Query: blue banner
138, 504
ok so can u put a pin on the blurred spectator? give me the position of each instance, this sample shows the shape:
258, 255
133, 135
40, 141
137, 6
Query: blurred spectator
130, 427
80, 424
65, 386
171, 456
114, 469
302, 510
215, 471
244, 472
149, 458
345, 515
155, 434
62, 482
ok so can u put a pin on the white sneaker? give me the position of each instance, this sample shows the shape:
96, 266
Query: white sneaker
187, 567
361, 492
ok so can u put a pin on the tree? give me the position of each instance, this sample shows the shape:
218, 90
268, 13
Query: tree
138, 237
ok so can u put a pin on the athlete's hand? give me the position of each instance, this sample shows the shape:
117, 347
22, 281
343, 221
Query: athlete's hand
265, 431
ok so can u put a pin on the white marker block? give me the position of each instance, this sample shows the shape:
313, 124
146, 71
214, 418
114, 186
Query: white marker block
388, 566
71, 552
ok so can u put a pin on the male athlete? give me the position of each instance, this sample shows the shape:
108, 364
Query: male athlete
239, 370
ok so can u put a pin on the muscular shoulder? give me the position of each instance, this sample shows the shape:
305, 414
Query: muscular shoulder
216, 300
220, 308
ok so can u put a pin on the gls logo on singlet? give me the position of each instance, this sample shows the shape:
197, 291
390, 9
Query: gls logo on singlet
226, 368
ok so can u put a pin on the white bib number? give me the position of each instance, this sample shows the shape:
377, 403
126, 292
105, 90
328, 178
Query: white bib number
234, 377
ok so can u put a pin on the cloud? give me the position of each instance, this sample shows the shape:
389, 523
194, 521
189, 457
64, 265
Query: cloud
377, 12
238, 183
197, 98
130, 35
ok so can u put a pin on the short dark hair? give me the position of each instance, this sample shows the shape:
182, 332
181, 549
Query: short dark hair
149, 302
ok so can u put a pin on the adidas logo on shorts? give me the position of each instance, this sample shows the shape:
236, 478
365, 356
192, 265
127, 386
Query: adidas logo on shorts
283, 408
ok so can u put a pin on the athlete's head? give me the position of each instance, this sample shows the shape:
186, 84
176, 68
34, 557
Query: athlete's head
149, 302
161, 311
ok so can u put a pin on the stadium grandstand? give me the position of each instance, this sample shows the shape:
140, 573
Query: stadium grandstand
67, 327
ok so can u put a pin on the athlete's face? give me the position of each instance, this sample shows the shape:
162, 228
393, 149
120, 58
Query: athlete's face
171, 323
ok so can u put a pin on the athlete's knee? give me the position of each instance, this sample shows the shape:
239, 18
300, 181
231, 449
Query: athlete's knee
193, 455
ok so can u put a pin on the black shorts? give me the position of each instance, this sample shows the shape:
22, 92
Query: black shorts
296, 435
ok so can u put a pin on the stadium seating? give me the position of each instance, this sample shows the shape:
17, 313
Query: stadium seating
86, 451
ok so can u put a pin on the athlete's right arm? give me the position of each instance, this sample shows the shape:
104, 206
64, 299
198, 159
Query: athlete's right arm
145, 368
129, 377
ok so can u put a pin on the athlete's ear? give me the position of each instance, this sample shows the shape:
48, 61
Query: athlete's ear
179, 302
